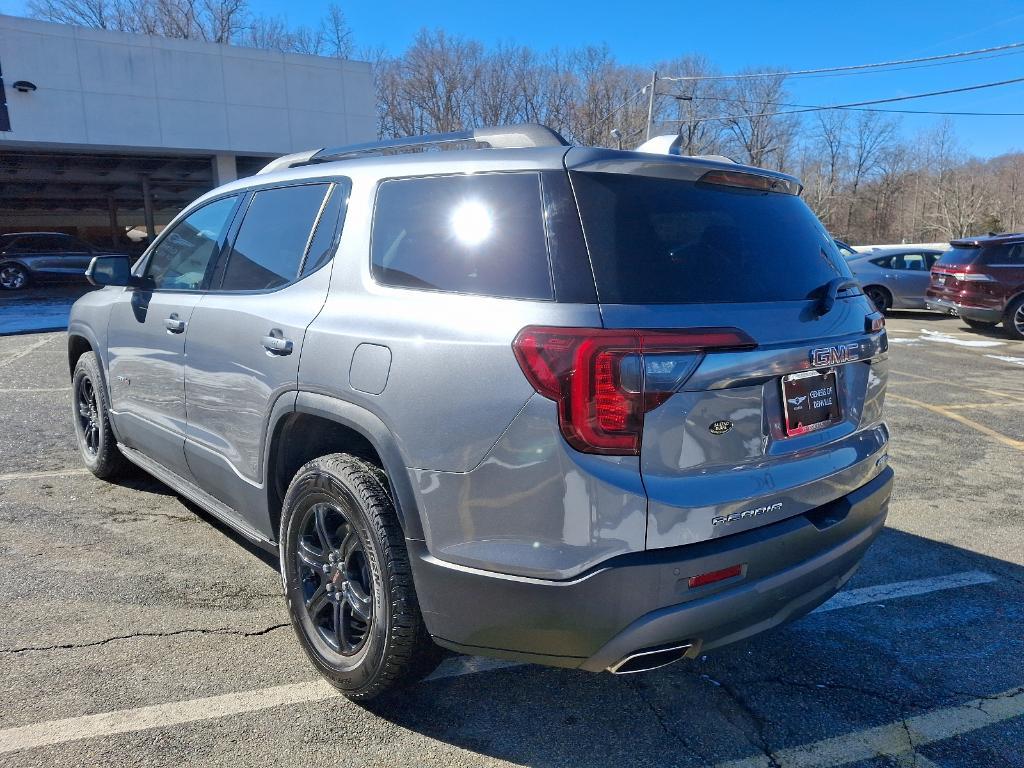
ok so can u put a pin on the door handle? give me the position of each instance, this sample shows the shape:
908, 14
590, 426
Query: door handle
174, 325
277, 345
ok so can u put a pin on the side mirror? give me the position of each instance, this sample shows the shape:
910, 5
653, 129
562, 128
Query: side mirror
114, 269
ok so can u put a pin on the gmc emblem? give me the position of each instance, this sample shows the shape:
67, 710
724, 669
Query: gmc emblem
824, 357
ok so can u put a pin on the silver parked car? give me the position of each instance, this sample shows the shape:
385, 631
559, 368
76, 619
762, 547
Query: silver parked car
580, 407
36, 257
895, 278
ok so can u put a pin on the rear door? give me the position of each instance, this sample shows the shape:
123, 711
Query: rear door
736, 438
913, 276
246, 335
147, 330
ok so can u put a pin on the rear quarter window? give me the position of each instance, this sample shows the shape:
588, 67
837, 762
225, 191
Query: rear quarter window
669, 241
479, 234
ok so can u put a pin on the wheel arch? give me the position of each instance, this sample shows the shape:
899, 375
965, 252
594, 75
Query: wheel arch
320, 424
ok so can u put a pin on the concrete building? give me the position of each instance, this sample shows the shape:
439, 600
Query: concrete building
102, 131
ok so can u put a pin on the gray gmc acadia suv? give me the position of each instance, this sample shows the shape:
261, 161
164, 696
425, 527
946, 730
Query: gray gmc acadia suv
580, 407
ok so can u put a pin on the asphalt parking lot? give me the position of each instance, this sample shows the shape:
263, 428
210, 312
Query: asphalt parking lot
137, 631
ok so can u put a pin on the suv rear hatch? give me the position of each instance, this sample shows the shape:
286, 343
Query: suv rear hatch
955, 272
760, 399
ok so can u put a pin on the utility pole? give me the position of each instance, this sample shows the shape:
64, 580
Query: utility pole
650, 103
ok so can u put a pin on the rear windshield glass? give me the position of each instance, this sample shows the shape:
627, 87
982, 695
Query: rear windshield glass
667, 241
956, 256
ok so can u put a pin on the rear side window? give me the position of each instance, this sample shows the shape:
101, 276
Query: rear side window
669, 241
272, 240
480, 234
1007, 254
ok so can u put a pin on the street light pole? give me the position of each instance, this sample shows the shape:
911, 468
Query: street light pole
650, 103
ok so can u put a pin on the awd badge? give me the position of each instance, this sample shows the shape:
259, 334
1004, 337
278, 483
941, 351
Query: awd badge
720, 427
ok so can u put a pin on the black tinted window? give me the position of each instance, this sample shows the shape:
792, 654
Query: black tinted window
1010, 254
321, 247
272, 239
45, 244
959, 256
885, 261
185, 252
481, 234
667, 241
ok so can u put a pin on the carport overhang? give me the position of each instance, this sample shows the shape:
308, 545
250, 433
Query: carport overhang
70, 187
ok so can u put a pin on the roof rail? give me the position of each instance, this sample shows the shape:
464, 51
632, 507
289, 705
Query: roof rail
498, 137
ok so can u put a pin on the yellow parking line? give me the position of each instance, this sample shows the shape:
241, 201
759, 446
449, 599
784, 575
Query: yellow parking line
1008, 395
899, 739
42, 475
999, 436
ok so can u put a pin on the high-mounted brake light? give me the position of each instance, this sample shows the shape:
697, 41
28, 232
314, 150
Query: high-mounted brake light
605, 380
751, 181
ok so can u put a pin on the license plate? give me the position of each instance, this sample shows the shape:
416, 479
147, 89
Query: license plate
940, 279
810, 401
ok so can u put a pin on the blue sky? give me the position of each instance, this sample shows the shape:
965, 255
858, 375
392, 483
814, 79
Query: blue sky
743, 33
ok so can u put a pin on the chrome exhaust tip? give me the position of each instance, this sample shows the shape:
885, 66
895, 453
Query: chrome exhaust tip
651, 658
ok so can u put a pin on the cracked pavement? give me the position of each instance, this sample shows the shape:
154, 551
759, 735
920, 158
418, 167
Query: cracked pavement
116, 597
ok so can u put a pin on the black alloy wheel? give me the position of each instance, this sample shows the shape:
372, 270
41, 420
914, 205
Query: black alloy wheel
88, 412
337, 587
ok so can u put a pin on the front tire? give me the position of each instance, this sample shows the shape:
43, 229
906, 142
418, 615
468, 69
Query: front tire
91, 416
13, 277
1013, 320
348, 581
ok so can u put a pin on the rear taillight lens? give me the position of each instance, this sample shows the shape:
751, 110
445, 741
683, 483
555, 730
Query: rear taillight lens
604, 381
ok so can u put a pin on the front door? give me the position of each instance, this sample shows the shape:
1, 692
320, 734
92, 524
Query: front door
246, 335
147, 334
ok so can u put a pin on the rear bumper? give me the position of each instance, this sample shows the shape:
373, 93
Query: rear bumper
982, 314
642, 600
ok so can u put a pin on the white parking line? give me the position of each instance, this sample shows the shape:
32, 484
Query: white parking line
882, 592
25, 351
213, 707
895, 739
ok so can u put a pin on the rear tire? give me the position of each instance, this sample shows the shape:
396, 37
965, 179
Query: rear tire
348, 581
880, 297
980, 325
1013, 320
13, 277
90, 413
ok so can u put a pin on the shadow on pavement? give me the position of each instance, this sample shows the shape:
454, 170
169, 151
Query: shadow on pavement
828, 675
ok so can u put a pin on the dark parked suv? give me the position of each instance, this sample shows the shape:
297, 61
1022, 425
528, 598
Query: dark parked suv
579, 407
982, 279
28, 257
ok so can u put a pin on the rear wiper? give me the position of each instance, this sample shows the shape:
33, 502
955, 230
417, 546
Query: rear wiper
832, 289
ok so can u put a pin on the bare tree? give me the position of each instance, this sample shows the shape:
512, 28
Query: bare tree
758, 135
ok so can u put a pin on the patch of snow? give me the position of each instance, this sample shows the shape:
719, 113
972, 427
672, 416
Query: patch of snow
1008, 359
945, 338
43, 315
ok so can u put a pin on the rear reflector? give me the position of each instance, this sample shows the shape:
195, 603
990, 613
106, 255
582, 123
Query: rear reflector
605, 380
713, 576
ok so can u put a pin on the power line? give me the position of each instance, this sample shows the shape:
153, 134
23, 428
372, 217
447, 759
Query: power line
870, 102
858, 109
799, 72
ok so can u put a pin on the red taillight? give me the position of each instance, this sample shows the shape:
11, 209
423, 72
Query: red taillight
604, 381
710, 578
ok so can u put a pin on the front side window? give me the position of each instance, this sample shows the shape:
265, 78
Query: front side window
478, 234
185, 252
272, 241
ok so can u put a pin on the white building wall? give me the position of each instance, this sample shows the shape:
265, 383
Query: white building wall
118, 90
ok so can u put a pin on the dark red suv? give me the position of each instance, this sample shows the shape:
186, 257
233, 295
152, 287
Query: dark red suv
982, 279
